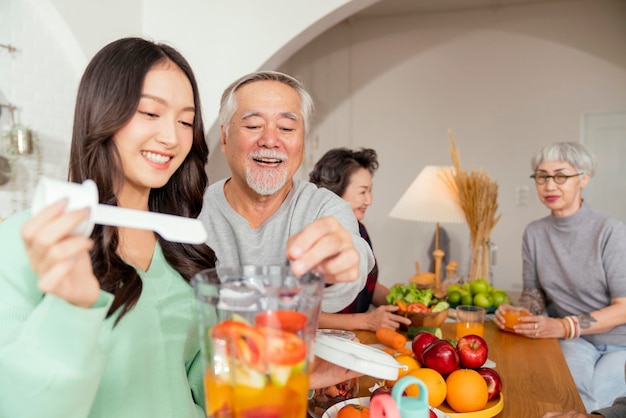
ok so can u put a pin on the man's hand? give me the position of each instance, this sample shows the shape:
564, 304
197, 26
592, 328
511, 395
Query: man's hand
324, 245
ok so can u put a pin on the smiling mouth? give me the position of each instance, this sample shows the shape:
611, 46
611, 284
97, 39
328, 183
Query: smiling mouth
268, 161
156, 158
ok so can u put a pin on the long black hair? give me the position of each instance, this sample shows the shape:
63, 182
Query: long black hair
108, 96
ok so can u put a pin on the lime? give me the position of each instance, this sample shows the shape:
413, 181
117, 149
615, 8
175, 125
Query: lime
479, 286
466, 299
454, 297
484, 300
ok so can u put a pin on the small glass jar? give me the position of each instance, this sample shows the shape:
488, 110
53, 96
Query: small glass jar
322, 399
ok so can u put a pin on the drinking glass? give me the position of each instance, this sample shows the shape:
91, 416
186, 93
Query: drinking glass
512, 314
257, 325
470, 320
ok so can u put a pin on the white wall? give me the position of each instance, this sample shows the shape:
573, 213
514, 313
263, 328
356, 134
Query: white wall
222, 40
505, 80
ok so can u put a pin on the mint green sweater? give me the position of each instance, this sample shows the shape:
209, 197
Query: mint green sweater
59, 360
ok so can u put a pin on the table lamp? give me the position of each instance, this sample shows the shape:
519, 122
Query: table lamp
432, 197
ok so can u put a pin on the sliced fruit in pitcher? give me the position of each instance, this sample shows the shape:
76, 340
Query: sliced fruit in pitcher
290, 321
279, 375
283, 348
248, 343
246, 376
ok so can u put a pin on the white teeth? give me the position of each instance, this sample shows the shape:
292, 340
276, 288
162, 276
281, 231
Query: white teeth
157, 158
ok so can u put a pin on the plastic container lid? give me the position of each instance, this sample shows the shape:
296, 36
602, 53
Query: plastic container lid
358, 357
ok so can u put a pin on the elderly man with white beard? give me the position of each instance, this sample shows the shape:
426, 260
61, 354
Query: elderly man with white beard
261, 215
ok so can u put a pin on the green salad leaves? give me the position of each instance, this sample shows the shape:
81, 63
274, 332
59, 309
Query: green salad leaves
409, 293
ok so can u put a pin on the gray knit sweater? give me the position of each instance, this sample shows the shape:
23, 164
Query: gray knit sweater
618, 410
579, 261
235, 242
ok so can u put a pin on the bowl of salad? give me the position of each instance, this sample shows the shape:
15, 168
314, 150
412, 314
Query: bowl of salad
419, 305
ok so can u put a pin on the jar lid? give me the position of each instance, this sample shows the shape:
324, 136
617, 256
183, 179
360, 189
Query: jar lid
358, 357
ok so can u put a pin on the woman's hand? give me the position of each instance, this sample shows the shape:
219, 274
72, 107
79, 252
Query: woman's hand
60, 258
499, 315
532, 326
384, 316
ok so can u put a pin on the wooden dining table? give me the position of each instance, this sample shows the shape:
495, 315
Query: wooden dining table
535, 376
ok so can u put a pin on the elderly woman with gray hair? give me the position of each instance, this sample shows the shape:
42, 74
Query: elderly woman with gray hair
574, 272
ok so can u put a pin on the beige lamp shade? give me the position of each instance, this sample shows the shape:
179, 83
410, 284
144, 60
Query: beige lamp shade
431, 198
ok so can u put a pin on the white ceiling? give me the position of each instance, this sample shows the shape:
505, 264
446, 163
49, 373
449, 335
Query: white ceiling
403, 7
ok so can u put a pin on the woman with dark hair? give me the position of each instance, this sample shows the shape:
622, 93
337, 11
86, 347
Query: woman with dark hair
106, 325
349, 174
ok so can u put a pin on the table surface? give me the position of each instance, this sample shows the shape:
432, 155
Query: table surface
534, 373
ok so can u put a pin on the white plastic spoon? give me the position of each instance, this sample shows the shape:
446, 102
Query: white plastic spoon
171, 227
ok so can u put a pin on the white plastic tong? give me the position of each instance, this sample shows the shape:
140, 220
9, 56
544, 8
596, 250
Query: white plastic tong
171, 227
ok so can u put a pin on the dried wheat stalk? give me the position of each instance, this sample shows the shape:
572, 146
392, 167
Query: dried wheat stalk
478, 196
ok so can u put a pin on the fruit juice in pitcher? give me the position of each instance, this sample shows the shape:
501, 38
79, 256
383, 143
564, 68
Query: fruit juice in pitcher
240, 401
258, 328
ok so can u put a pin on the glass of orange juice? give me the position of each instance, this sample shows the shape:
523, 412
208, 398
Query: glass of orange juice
470, 320
257, 325
512, 314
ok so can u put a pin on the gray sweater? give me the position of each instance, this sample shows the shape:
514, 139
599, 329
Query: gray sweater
235, 242
579, 261
618, 410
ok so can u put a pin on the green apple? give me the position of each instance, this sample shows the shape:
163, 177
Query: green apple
484, 300
453, 288
466, 299
479, 286
500, 297
454, 297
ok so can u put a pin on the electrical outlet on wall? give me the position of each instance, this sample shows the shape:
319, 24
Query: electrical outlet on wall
521, 195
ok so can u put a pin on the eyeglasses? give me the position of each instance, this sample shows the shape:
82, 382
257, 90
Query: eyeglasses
559, 178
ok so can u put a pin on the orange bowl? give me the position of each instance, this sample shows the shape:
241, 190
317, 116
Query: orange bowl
426, 319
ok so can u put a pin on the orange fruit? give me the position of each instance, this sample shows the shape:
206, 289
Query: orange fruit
467, 391
434, 383
408, 361
353, 410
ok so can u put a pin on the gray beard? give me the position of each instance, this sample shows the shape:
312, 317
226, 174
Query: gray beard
266, 182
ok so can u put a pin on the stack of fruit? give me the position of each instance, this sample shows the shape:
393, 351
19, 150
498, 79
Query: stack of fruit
478, 292
453, 371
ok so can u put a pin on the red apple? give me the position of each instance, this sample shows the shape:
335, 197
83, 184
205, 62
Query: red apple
422, 340
472, 350
494, 382
432, 414
441, 356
